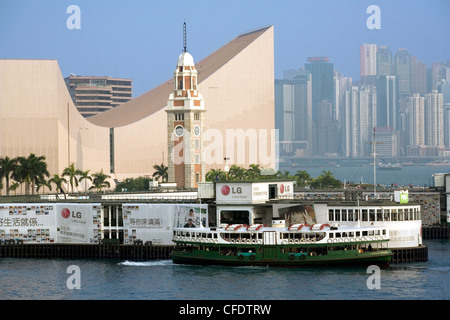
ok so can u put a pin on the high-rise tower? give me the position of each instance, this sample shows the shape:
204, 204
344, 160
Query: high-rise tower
185, 123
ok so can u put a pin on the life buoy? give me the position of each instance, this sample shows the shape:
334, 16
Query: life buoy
302, 257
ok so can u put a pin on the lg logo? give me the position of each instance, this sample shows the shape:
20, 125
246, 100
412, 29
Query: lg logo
65, 213
226, 190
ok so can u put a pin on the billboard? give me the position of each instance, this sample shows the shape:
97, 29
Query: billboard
32, 223
296, 214
51, 223
155, 222
79, 223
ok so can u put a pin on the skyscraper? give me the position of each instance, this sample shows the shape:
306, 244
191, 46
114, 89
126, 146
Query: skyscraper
92, 95
402, 69
418, 76
368, 60
322, 78
359, 119
434, 119
293, 115
416, 120
384, 61
387, 101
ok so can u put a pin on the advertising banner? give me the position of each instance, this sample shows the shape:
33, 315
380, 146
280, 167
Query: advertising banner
32, 223
155, 222
78, 223
296, 214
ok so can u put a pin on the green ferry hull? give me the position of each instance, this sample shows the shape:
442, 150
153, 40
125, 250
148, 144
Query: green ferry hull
380, 258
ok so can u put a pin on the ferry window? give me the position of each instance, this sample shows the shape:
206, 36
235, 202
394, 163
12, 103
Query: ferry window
358, 233
371, 215
330, 215
371, 233
337, 214
386, 215
364, 215
400, 215
350, 215
331, 235
364, 233
344, 214
384, 232
351, 234
338, 234
234, 217
394, 214
379, 215
411, 214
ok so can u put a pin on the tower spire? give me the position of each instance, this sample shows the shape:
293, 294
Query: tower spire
184, 37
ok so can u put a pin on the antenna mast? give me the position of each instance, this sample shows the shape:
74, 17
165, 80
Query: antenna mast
184, 37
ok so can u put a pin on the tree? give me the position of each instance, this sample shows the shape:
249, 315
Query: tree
84, 175
236, 173
31, 170
253, 172
134, 184
161, 172
71, 172
215, 175
100, 180
325, 180
58, 181
302, 178
7, 167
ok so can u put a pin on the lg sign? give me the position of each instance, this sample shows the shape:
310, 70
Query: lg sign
226, 190
65, 213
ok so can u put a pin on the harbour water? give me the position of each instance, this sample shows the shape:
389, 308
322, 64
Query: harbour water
44, 279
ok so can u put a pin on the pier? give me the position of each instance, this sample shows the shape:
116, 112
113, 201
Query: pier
136, 252
436, 232
105, 251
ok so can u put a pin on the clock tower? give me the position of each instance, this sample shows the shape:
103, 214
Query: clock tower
185, 123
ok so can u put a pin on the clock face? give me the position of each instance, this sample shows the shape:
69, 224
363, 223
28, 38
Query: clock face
197, 130
179, 131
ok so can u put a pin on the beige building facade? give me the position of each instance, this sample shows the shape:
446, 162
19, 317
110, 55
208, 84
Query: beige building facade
37, 115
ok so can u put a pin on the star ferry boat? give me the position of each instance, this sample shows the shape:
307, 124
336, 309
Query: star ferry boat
299, 245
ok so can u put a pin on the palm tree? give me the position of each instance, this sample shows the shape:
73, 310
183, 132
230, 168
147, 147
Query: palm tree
100, 181
236, 173
85, 176
58, 181
302, 178
7, 167
72, 174
31, 170
215, 175
161, 172
253, 172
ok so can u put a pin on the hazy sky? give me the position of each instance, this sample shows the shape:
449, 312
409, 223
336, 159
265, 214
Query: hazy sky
141, 39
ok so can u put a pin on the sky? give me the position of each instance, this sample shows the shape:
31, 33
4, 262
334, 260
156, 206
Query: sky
141, 39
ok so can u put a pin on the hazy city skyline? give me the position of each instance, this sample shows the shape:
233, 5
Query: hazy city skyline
138, 39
